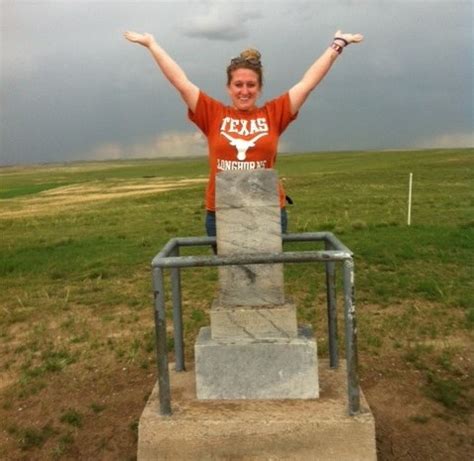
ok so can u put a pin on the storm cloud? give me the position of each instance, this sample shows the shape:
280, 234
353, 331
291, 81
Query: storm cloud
221, 21
73, 88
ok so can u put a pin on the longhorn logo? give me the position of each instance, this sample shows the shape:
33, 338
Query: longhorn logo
242, 145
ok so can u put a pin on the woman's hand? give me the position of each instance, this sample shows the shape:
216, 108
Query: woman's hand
142, 39
348, 38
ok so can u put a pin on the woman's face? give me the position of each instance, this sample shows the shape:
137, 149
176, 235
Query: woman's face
244, 89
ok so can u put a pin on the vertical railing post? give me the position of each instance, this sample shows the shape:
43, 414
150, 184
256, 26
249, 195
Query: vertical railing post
161, 346
351, 338
332, 311
177, 314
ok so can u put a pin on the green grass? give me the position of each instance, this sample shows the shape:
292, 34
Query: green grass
360, 196
72, 417
31, 437
75, 285
29, 189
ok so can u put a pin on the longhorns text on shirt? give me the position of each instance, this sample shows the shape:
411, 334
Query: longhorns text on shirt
226, 165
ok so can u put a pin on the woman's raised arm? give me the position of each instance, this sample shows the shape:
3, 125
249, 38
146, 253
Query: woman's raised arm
171, 70
319, 69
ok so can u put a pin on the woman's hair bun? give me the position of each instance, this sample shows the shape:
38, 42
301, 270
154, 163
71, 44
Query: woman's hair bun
248, 59
251, 53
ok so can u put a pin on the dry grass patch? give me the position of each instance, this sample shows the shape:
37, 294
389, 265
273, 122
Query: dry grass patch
61, 199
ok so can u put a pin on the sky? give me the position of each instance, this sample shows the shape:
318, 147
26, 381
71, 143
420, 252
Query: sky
72, 88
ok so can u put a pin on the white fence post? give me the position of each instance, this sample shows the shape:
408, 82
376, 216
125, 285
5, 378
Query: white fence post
410, 184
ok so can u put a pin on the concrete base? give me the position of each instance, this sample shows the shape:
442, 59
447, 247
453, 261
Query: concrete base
243, 368
257, 430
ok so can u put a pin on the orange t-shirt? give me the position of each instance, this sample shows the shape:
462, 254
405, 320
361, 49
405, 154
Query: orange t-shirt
240, 140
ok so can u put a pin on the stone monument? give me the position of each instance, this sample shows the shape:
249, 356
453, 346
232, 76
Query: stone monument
251, 357
253, 348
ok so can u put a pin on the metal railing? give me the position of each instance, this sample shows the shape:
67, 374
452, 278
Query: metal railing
335, 251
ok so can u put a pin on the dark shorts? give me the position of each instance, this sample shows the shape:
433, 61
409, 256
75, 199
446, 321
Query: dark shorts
211, 222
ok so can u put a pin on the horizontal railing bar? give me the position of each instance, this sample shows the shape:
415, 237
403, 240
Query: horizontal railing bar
254, 258
162, 259
192, 241
337, 244
302, 237
305, 237
166, 250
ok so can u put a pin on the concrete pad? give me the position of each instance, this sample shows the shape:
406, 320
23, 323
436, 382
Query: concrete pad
243, 368
256, 430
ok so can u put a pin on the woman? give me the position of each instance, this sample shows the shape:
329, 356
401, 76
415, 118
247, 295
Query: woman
242, 136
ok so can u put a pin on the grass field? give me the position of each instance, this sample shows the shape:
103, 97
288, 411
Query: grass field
76, 325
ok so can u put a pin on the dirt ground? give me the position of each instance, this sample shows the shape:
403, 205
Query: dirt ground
409, 426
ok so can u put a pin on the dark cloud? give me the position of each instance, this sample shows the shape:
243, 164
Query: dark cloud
217, 32
73, 88
221, 21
